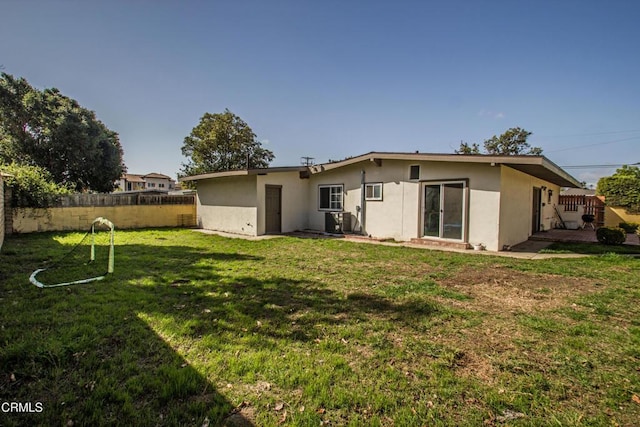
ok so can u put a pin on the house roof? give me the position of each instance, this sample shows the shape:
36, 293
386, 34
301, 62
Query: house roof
134, 177
578, 192
538, 166
131, 177
156, 175
261, 171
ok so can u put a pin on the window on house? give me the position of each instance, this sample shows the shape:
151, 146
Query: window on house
330, 197
373, 191
151, 185
161, 185
414, 172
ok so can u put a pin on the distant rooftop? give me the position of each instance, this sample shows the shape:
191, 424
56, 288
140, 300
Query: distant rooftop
578, 192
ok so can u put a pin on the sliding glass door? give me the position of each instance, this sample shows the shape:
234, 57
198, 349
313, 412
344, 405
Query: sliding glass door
444, 210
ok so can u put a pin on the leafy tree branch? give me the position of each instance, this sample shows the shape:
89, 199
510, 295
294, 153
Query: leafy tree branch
512, 142
223, 142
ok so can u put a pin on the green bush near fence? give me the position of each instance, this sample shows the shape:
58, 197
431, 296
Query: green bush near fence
611, 235
629, 227
31, 186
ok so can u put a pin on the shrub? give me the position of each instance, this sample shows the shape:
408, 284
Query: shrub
622, 188
629, 227
611, 235
31, 186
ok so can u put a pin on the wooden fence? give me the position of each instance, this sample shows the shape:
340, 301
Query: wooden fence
583, 205
125, 199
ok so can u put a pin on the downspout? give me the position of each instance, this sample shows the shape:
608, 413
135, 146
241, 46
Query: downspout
363, 209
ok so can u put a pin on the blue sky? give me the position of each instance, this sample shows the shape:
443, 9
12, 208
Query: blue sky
331, 79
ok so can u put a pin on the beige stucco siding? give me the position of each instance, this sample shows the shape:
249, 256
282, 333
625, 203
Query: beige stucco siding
613, 216
398, 215
516, 205
483, 198
484, 205
228, 204
294, 214
383, 218
349, 177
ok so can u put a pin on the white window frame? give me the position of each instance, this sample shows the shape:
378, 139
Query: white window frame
373, 186
336, 198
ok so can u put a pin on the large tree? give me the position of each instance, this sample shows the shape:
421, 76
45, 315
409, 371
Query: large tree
622, 188
47, 129
511, 143
223, 142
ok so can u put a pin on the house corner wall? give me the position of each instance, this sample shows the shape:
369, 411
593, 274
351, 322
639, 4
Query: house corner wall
484, 205
516, 206
294, 211
228, 204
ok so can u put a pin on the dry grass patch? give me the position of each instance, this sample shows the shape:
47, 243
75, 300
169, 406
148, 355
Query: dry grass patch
501, 295
497, 289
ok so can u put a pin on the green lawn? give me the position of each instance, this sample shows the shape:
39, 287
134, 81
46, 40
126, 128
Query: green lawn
590, 249
195, 329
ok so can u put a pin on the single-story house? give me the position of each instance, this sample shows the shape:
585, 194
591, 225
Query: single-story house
451, 199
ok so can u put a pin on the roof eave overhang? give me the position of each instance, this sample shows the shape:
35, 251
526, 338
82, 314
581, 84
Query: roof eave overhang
547, 171
537, 166
262, 171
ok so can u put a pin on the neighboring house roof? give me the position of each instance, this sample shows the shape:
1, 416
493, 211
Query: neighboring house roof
578, 192
538, 166
133, 177
146, 191
156, 175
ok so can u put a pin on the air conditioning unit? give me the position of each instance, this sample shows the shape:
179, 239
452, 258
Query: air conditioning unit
337, 222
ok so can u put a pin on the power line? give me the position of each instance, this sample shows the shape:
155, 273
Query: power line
598, 166
593, 145
590, 134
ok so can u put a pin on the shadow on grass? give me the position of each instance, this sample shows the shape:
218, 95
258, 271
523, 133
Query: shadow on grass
83, 355
90, 354
212, 293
